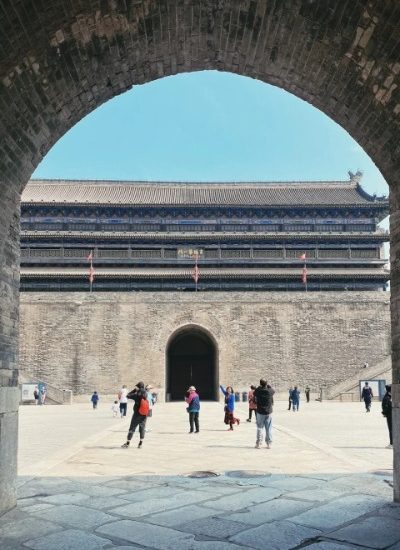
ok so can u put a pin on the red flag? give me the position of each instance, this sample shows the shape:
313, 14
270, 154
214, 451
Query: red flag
91, 274
303, 257
304, 275
90, 257
195, 273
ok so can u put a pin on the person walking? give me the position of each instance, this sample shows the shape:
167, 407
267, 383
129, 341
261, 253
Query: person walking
307, 392
229, 408
290, 398
36, 395
42, 395
193, 408
140, 412
115, 409
150, 399
367, 396
123, 400
252, 403
295, 399
264, 398
387, 412
95, 399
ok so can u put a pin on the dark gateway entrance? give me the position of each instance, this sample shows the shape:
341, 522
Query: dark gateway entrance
191, 360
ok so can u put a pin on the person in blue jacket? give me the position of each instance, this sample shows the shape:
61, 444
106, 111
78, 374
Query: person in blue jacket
295, 399
95, 399
229, 408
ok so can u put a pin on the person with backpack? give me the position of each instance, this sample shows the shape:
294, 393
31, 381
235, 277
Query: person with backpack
193, 400
387, 412
264, 398
252, 403
140, 411
367, 396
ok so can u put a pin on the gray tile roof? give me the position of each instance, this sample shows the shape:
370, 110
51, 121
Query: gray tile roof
323, 193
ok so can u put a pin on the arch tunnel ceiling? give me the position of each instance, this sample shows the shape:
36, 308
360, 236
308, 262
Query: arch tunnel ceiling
59, 60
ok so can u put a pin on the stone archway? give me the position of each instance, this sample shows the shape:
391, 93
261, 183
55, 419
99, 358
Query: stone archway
192, 359
63, 59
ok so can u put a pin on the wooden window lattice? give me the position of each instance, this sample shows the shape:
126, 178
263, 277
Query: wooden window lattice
267, 253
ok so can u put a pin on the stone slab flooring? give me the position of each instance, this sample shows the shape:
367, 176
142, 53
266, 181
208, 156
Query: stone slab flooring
325, 484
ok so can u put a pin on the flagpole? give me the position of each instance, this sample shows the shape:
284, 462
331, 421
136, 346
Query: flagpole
305, 268
196, 268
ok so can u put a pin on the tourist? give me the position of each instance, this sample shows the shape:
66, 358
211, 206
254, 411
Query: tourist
367, 396
150, 399
36, 395
307, 392
140, 411
115, 409
295, 396
264, 398
252, 403
193, 400
123, 400
42, 395
387, 412
95, 399
229, 408
290, 398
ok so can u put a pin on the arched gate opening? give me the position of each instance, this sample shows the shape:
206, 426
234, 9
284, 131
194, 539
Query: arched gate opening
191, 361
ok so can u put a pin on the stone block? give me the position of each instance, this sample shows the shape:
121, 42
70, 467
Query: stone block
244, 499
365, 532
277, 509
154, 536
76, 516
281, 535
215, 527
72, 539
172, 518
335, 513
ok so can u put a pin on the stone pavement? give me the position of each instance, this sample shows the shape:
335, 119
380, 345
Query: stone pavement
324, 484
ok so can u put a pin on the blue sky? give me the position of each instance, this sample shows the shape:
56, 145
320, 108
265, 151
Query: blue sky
208, 126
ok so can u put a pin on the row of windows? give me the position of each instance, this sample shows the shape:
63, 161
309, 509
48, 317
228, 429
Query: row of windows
154, 227
112, 285
213, 253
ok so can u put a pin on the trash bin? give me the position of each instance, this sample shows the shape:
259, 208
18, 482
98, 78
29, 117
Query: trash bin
237, 396
244, 396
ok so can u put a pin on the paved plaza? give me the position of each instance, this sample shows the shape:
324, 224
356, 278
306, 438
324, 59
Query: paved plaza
325, 484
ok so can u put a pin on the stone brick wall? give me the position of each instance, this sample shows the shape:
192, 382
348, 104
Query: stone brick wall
85, 342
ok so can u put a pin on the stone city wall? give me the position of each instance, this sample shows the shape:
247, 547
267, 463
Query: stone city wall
84, 341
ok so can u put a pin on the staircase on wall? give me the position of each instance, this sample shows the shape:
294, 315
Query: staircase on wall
54, 396
349, 389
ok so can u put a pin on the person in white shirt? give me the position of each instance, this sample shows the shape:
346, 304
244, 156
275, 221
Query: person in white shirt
123, 400
115, 409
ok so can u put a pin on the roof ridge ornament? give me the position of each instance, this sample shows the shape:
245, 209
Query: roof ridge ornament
355, 178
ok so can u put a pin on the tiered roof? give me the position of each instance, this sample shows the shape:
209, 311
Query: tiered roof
140, 193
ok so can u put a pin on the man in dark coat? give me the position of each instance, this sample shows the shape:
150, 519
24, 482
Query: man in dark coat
387, 412
367, 396
264, 399
140, 411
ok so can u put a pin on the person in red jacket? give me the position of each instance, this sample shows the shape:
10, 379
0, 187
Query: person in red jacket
252, 403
